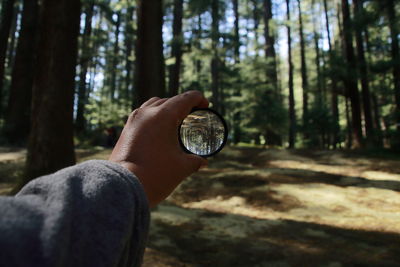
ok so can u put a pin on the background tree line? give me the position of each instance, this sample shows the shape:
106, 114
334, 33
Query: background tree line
292, 73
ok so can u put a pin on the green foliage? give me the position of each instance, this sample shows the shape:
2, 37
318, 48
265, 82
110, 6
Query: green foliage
263, 110
197, 7
103, 113
254, 108
252, 105
319, 125
269, 116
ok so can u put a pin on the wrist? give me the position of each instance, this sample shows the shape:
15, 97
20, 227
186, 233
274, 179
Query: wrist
147, 186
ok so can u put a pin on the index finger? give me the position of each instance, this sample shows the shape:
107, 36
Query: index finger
185, 102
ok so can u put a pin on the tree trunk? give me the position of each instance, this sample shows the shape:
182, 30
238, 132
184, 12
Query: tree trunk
256, 22
86, 55
150, 74
115, 59
176, 49
304, 76
215, 62
324, 92
198, 46
350, 81
396, 64
13, 37
51, 140
17, 122
94, 62
320, 95
349, 123
7, 10
317, 57
334, 89
129, 37
237, 114
236, 37
362, 67
377, 119
270, 54
292, 112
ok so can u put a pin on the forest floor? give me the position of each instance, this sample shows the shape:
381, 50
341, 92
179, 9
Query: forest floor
261, 207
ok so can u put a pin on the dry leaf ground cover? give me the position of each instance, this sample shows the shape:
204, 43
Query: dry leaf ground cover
260, 207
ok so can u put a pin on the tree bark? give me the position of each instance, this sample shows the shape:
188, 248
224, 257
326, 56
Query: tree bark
129, 37
51, 144
292, 112
198, 46
236, 37
317, 58
321, 89
176, 49
396, 63
270, 53
350, 81
13, 37
256, 22
377, 118
86, 55
362, 67
17, 121
304, 76
7, 11
349, 123
215, 62
150, 73
334, 80
237, 114
374, 97
114, 83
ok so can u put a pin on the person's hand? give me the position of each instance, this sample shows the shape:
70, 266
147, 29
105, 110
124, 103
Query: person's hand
149, 145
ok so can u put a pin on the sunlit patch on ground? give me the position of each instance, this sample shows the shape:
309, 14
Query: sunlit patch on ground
11, 154
283, 208
12, 163
363, 171
255, 207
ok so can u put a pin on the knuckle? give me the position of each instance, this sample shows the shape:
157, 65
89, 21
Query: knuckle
164, 111
133, 114
168, 113
191, 92
154, 98
150, 101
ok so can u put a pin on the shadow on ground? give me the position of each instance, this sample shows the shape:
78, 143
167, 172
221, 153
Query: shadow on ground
256, 207
261, 207
12, 164
193, 237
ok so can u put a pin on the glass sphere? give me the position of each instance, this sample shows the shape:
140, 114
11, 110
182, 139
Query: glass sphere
203, 132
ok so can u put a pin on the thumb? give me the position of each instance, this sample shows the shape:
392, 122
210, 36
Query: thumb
196, 162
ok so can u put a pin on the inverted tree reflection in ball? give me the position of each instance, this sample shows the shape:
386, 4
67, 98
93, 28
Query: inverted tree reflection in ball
202, 132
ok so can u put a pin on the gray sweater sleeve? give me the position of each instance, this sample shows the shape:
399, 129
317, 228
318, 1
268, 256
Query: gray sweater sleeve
92, 214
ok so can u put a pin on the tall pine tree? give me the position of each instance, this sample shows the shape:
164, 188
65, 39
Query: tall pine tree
51, 140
